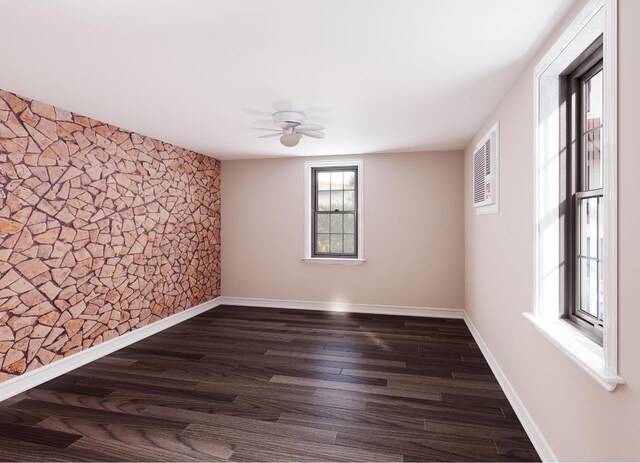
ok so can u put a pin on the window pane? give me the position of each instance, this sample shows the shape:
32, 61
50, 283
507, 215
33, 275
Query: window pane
349, 223
322, 223
349, 180
589, 227
600, 229
600, 292
600, 264
336, 200
349, 244
349, 200
324, 200
336, 180
324, 180
594, 159
589, 286
336, 223
336, 243
593, 100
322, 244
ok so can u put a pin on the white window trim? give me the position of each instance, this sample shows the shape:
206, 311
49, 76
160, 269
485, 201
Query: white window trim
308, 213
495, 207
600, 362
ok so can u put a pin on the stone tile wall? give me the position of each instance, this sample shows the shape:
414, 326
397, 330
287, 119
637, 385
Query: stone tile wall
102, 231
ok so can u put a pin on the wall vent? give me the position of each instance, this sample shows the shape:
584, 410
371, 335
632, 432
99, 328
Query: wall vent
485, 173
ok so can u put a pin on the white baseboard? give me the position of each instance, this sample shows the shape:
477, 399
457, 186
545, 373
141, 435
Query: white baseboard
47, 372
537, 439
345, 307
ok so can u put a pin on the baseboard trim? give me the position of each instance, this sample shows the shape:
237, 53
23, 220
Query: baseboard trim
535, 435
345, 307
45, 373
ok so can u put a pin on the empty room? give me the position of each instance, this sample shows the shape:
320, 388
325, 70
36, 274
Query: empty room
319, 230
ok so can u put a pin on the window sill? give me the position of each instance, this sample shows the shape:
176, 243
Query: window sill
334, 260
586, 353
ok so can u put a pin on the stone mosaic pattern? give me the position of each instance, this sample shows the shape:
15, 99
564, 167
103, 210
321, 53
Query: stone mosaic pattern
102, 231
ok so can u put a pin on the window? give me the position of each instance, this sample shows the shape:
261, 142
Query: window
575, 302
334, 212
335, 217
584, 293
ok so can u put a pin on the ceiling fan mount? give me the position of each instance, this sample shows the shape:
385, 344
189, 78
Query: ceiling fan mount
291, 127
287, 119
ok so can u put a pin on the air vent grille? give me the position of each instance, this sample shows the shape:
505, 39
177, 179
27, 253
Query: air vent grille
485, 171
479, 175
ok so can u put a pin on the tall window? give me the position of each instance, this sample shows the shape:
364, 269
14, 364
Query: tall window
585, 292
335, 211
576, 207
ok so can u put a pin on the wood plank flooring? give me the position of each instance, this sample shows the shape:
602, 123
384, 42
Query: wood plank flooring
250, 384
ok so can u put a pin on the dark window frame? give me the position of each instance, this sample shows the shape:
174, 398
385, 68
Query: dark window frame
575, 188
315, 212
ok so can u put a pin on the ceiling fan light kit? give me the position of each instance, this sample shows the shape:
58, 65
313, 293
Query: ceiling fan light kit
292, 127
290, 139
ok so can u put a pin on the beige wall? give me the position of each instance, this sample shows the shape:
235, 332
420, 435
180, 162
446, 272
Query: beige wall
579, 419
414, 233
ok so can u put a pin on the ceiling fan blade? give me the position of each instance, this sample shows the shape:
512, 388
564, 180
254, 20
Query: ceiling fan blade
312, 127
271, 135
311, 133
264, 128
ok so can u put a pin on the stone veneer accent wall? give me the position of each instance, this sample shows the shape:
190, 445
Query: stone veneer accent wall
102, 231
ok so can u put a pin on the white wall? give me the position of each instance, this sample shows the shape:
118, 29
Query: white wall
413, 237
579, 419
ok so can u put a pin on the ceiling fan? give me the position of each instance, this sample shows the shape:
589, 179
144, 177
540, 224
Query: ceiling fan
291, 127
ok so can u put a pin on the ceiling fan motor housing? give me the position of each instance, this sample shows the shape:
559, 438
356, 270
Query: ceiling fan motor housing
285, 119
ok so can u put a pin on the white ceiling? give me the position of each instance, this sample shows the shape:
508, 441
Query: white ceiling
387, 75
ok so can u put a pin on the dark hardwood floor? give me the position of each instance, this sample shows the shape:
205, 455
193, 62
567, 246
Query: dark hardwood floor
248, 384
